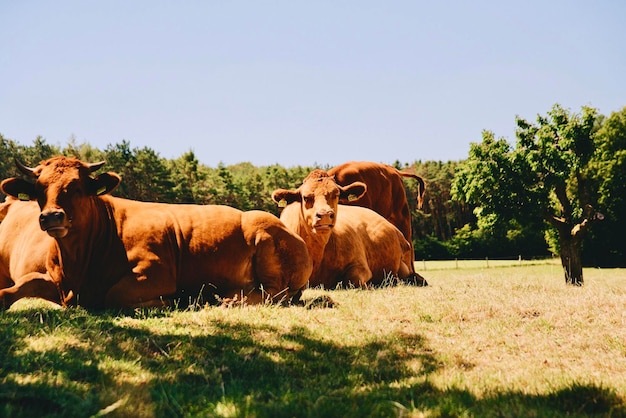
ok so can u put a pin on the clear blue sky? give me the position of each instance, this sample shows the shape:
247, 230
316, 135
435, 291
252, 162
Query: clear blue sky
302, 82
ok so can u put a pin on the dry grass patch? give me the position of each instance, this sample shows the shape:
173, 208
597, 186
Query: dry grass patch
510, 341
532, 334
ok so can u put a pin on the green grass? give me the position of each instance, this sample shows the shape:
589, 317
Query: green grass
505, 342
426, 265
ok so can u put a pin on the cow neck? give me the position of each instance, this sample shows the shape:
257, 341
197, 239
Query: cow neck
315, 243
75, 251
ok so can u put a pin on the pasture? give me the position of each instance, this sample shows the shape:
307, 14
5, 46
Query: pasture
499, 341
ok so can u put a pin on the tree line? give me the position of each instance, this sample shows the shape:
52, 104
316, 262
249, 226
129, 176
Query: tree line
566, 172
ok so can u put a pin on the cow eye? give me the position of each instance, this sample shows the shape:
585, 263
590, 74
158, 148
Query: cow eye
74, 190
309, 200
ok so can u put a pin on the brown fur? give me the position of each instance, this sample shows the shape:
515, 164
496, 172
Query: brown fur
23, 250
385, 194
348, 245
114, 252
385, 190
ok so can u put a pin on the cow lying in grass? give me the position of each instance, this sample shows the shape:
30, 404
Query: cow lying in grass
349, 245
23, 250
385, 195
109, 252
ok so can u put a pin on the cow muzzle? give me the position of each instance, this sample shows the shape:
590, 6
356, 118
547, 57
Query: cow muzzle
55, 223
324, 220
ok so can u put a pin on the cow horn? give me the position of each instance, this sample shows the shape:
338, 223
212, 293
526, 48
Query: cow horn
94, 166
24, 169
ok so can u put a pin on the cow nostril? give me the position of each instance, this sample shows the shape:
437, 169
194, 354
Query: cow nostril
56, 216
322, 213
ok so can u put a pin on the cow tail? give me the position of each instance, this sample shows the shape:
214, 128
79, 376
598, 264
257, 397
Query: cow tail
421, 187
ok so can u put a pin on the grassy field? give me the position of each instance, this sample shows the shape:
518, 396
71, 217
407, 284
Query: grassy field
478, 342
482, 263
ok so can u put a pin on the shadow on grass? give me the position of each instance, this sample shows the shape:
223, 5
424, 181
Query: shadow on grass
122, 371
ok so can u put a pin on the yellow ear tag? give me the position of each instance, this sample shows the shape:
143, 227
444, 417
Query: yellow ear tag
23, 196
282, 203
101, 190
352, 197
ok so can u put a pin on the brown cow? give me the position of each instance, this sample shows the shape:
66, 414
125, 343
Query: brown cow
349, 245
385, 195
114, 252
23, 250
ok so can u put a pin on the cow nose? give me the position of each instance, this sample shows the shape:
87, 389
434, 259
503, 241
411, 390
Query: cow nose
52, 217
323, 213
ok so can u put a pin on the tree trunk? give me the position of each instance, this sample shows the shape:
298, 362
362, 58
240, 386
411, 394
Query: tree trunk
571, 259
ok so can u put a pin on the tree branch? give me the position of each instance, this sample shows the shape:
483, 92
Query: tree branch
556, 221
561, 193
580, 228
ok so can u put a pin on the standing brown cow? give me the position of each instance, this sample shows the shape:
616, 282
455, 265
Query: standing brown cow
385, 195
349, 245
114, 252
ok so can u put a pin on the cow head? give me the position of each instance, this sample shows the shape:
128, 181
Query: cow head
62, 186
320, 196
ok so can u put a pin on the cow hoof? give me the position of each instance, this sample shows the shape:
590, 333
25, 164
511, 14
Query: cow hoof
416, 280
320, 302
233, 302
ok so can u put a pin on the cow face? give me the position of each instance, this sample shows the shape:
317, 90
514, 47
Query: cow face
61, 188
320, 196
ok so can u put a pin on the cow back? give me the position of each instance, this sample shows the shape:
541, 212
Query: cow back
382, 243
385, 191
186, 251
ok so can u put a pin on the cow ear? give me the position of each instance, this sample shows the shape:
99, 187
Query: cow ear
284, 197
18, 188
352, 192
105, 183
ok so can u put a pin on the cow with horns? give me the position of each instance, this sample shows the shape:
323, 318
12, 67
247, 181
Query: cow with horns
385, 195
349, 245
110, 252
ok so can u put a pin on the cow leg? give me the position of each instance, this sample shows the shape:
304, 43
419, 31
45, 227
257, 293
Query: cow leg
416, 280
407, 273
127, 295
32, 285
261, 296
135, 291
410, 277
357, 275
282, 267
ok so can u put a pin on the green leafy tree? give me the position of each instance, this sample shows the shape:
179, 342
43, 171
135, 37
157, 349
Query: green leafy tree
245, 186
608, 170
145, 175
152, 176
84, 151
39, 151
8, 151
230, 185
440, 215
187, 179
544, 177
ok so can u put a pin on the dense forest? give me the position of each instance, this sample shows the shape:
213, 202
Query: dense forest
449, 225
